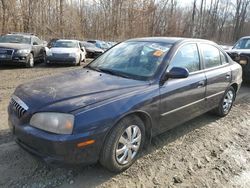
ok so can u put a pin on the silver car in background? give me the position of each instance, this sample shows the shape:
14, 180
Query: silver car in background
66, 52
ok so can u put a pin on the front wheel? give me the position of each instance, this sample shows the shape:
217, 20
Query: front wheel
226, 102
79, 62
30, 61
123, 144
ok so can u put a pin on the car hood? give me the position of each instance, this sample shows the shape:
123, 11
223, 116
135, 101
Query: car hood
64, 50
15, 46
239, 51
74, 90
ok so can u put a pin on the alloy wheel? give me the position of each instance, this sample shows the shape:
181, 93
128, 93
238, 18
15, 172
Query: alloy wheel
128, 145
31, 60
228, 101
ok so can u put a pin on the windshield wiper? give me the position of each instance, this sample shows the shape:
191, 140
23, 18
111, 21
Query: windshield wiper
109, 71
93, 68
115, 73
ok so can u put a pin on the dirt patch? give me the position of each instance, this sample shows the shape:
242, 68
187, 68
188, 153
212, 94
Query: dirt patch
204, 152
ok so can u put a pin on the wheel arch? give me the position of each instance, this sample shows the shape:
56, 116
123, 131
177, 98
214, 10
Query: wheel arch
235, 86
144, 116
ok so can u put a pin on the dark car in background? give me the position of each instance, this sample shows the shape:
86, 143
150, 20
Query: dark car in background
241, 54
21, 49
136, 90
91, 50
100, 44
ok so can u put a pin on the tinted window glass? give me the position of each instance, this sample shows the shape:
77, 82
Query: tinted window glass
211, 55
187, 57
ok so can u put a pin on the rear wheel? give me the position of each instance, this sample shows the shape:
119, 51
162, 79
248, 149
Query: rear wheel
226, 102
30, 61
123, 144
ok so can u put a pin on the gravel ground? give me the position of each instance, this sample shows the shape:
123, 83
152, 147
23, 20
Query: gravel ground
204, 152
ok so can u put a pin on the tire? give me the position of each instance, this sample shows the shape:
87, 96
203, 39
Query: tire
117, 147
226, 102
80, 60
30, 61
43, 60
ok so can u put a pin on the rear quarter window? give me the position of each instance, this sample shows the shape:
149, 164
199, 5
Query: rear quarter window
224, 59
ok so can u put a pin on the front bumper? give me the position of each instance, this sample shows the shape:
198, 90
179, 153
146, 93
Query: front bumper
21, 59
61, 60
57, 148
91, 54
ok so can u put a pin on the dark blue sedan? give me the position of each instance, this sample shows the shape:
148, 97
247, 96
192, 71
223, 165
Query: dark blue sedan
136, 90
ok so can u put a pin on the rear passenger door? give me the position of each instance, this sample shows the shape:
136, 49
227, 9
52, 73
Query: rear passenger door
217, 71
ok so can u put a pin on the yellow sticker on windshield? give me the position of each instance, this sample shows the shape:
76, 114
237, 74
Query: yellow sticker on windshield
158, 53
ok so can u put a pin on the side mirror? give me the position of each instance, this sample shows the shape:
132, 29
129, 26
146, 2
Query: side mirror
178, 72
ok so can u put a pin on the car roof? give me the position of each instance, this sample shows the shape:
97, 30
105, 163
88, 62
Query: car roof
21, 34
246, 37
170, 40
67, 40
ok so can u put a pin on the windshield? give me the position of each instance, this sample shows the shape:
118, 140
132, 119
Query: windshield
15, 39
104, 45
136, 60
243, 44
65, 44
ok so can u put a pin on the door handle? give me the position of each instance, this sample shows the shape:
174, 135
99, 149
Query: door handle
201, 84
228, 76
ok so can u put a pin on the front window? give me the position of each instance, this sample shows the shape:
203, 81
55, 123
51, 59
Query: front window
242, 44
186, 57
15, 39
136, 60
65, 44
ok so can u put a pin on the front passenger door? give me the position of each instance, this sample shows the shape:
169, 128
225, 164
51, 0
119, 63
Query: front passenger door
183, 99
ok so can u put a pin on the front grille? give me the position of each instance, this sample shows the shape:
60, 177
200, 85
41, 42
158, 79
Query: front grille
6, 53
60, 55
20, 111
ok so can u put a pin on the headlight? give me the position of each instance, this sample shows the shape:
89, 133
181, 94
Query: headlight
59, 123
72, 55
243, 62
49, 53
23, 51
